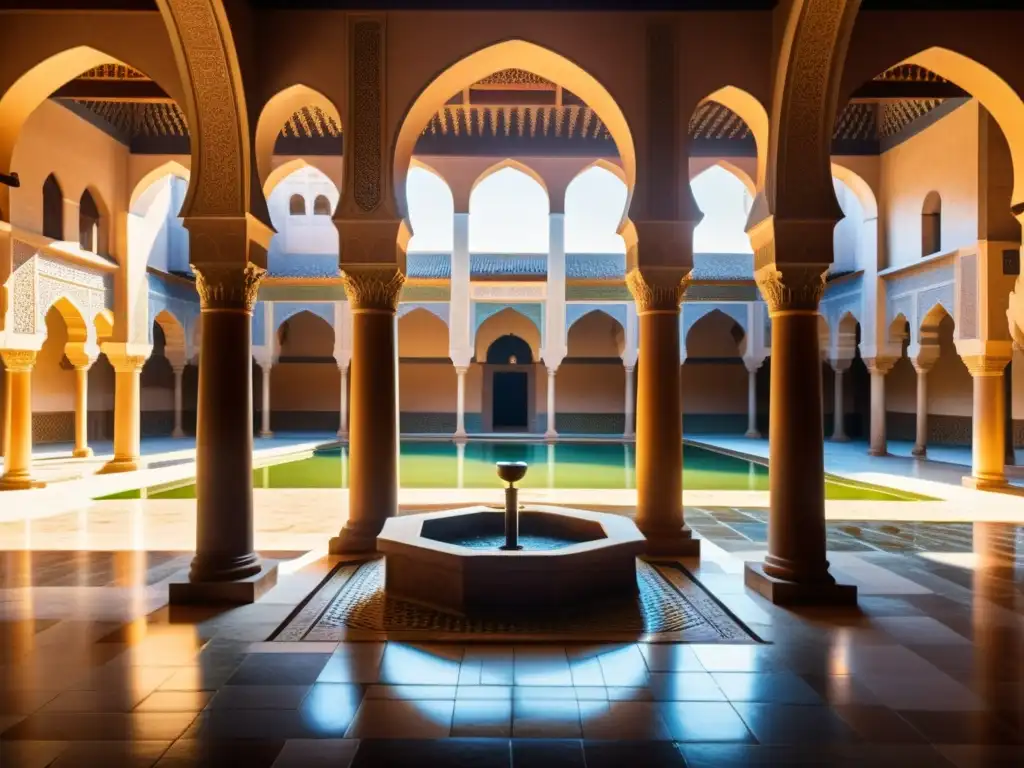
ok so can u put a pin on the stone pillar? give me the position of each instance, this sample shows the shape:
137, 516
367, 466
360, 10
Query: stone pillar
82, 449
659, 416
988, 437
178, 431
18, 458
752, 368
630, 404
127, 360
373, 293
226, 567
839, 366
795, 569
551, 433
265, 397
343, 403
878, 367
7, 412
921, 434
460, 404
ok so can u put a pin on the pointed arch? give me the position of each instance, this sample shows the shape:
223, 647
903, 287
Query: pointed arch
741, 175
504, 55
994, 93
275, 113
143, 185
715, 323
861, 189
73, 317
607, 336
303, 333
935, 314
422, 332
897, 331
174, 334
753, 113
53, 208
515, 165
505, 321
103, 323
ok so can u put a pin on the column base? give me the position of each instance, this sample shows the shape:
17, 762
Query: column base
673, 545
350, 542
342, 435
919, 451
116, 465
81, 453
781, 592
752, 434
178, 434
19, 483
840, 439
550, 435
878, 452
460, 434
985, 483
239, 592
264, 434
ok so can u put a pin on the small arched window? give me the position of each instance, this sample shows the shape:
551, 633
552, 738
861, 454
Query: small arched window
53, 209
296, 205
321, 206
88, 223
931, 224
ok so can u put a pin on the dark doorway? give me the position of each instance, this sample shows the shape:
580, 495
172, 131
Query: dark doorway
511, 400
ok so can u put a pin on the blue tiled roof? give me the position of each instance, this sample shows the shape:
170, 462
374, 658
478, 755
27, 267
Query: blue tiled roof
723, 266
303, 265
595, 266
428, 266
484, 265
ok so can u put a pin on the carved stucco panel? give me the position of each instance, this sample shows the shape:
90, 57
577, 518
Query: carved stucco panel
367, 44
967, 321
219, 173
23, 288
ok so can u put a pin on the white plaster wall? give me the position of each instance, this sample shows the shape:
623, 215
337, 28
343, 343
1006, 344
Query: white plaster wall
943, 157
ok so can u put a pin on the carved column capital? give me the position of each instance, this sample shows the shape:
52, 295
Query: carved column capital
985, 365
373, 288
232, 287
18, 360
657, 289
791, 287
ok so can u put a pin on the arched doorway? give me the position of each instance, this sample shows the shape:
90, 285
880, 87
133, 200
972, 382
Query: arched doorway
509, 375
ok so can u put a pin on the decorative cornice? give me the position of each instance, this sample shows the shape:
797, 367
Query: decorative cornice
791, 288
228, 286
373, 288
18, 360
656, 290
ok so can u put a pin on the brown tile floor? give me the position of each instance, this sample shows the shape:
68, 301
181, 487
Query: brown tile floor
95, 670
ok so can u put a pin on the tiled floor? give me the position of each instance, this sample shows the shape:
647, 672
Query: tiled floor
95, 670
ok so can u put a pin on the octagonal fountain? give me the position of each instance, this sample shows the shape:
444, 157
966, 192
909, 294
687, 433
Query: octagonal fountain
479, 560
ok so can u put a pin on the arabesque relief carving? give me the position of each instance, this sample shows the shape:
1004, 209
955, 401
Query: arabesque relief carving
373, 288
794, 288
228, 286
656, 290
367, 41
18, 360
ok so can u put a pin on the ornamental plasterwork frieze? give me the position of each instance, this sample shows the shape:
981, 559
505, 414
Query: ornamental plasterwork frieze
365, 134
39, 281
508, 291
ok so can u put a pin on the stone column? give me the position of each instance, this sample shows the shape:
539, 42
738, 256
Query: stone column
127, 360
343, 404
752, 368
630, 404
18, 459
659, 416
921, 434
796, 569
178, 431
7, 412
878, 367
265, 397
82, 449
988, 437
839, 367
460, 404
226, 567
551, 433
373, 293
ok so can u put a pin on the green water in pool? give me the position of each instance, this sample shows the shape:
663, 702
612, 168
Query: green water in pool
562, 465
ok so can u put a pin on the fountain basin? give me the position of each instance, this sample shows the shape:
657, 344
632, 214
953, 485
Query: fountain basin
444, 559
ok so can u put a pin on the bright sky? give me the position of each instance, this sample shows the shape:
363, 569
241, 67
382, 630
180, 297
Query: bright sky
509, 213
